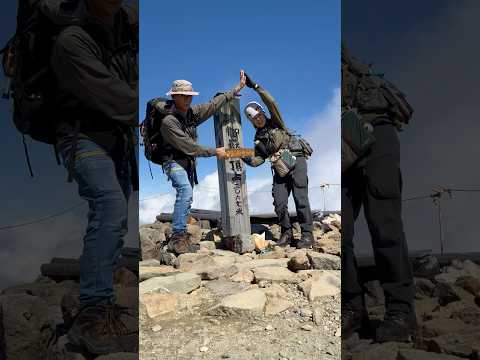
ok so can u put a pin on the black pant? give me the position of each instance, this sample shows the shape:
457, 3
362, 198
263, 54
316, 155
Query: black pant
297, 182
377, 185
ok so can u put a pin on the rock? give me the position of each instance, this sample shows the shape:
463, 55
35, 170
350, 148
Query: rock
278, 253
180, 283
327, 245
424, 287
307, 327
276, 231
245, 276
158, 225
275, 274
412, 354
151, 241
425, 307
208, 266
437, 327
205, 224
426, 267
464, 344
214, 235
247, 303
470, 284
333, 219
327, 284
159, 306
269, 327
27, 326
277, 300
298, 262
324, 261
125, 278
446, 293
258, 263
374, 294
203, 349
195, 233
118, 356
166, 257
224, 288
386, 351
147, 272
60, 350
467, 312
240, 244
127, 297
207, 245
156, 328
149, 262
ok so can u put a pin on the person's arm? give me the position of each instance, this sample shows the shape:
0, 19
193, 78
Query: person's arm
76, 63
253, 161
203, 111
269, 101
175, 136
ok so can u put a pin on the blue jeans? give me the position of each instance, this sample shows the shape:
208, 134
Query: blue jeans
106, 185
183, 202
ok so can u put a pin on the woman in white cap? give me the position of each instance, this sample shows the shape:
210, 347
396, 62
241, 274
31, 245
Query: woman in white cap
288, 154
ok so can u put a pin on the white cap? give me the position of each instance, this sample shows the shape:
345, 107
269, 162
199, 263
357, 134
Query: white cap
252, 109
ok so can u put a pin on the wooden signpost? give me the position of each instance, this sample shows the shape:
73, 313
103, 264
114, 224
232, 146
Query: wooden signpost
232, 179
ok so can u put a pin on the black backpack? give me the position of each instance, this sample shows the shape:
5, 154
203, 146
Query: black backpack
26, 64
153, 142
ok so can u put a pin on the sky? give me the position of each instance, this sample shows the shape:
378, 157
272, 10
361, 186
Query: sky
428, 50
292, 51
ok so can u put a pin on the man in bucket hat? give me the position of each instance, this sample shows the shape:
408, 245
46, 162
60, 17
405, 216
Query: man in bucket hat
178, 128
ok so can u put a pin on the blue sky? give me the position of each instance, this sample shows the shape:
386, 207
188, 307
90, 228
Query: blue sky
293, 51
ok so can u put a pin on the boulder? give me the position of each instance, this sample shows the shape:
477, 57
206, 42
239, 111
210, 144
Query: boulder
180, 283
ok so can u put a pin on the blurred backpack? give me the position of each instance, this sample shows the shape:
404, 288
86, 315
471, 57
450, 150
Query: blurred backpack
26, 64
371, 93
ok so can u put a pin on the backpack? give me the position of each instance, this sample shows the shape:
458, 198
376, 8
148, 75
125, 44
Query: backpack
371, 93
150, 130
26, 64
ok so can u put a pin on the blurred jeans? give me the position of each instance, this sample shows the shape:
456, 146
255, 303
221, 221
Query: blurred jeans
106, 186
183, 202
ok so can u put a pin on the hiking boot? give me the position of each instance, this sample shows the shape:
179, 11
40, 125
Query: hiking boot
181, 243
306, 241
355, 321
397, 326
104, 328
286, 238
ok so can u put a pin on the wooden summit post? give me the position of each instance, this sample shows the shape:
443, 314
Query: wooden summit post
232, 180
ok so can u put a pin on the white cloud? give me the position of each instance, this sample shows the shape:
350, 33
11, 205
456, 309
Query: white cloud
322, 132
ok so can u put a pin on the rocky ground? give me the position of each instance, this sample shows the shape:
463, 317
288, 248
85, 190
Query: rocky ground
448, 312
272, 303
34, 316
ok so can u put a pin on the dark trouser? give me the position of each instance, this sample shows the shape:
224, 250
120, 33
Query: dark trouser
377, 186
297, 183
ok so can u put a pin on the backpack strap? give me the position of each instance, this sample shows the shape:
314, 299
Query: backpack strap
73, 150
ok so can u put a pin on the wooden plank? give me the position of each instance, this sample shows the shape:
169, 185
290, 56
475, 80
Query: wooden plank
231, 172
